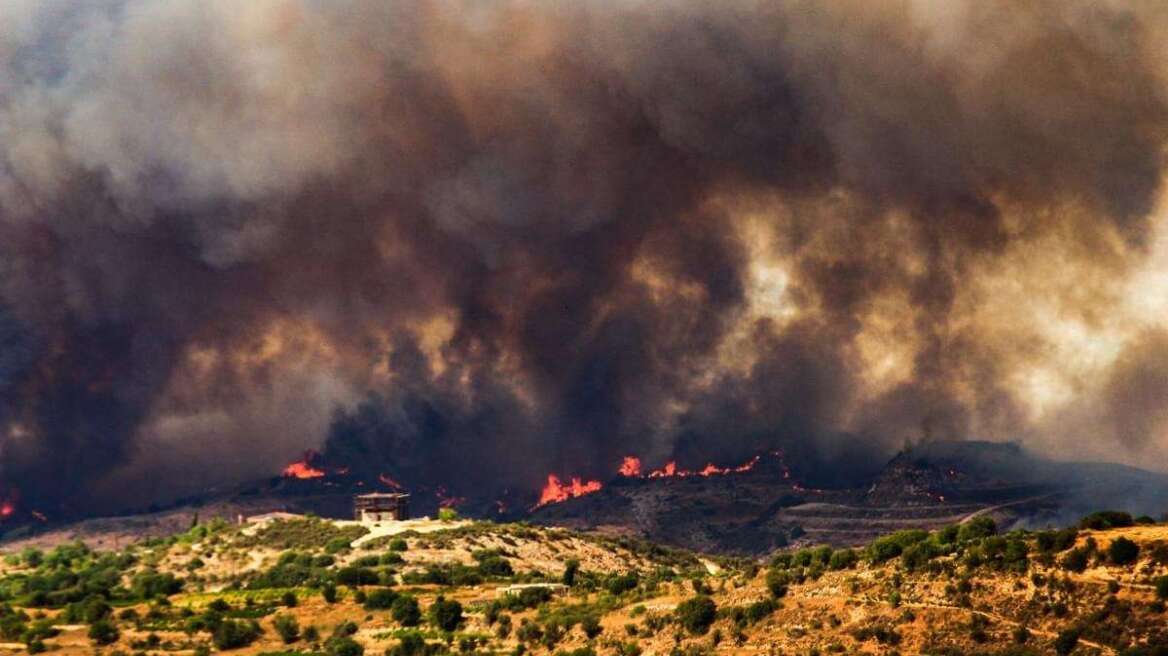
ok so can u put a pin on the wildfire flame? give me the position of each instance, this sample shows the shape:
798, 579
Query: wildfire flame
671, 470
631, 467
556, 490
303, 468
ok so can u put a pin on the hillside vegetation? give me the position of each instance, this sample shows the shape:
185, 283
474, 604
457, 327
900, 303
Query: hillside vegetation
312, 586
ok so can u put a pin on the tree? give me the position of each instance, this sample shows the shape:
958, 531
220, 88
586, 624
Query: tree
343, 646
329, 592
571, 568
978, 527
591, 626
233, 634
103, 632
1123, 551
287, 627
1065, 642
380, 599
289, 599
445, 615
1162, 587
447, 514
776, 582
405, 611
696, 614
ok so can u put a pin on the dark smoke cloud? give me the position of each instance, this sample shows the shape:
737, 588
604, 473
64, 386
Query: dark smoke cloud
472, 243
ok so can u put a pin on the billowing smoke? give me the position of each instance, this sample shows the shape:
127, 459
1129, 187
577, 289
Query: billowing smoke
471, 242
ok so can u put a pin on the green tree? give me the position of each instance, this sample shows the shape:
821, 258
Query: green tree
1123, 551
287, 627
405, 611
445, 615
571, 568
696, 614
103, 632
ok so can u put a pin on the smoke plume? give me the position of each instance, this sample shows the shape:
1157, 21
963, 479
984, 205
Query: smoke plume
470, 243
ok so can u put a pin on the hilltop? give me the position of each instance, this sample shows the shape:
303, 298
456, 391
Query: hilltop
300, 586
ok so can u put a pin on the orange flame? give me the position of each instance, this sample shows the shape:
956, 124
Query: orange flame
631, 467
303, 468
556, 491
671, 470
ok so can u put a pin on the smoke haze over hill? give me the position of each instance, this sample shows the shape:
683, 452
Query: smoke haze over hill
470, 243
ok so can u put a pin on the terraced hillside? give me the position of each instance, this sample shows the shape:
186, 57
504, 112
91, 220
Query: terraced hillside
311, 586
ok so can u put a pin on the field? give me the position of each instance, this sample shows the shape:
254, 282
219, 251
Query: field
312, 586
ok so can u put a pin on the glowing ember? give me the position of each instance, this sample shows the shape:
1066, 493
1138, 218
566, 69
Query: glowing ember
670, 469
390, 483
303, 468
631, 467
446, 500
556, 491
6, 509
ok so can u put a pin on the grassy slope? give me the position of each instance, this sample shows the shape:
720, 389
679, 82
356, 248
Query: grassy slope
946, 603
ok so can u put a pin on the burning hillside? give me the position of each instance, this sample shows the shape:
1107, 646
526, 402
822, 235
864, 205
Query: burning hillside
533, 237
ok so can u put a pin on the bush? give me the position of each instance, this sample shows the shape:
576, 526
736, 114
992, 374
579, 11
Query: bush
777, 582
891, 546
1106, 519
445, 615
1161, 584
1065, 642
978, 527
1075, 560
343, 646
354, 576
398, 544
842, 559
289, 599
697, 614
410, 644
447, 514
1123, 551
1055, 541
287, 628
380, 599
233, 634
571, 568
405, 611
103, 632
329, 593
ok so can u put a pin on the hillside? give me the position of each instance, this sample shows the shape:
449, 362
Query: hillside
337, 588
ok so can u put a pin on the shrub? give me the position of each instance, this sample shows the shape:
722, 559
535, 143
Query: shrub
570, 570
380, 599
445, 615
842, 559
410, 644
1161, 584
1055, 541
1123, 551
447, 514
287, 628
343, 646
591, 626
696, 614
978, 527
777, 582
233, 634
1065, 642
1106, 519
289, 599
405, 611
398, 544
1075, 560
891, 546
329, 593
353, 576
103, 632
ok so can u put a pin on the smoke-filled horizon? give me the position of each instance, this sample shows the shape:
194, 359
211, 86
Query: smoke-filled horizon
469, 243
